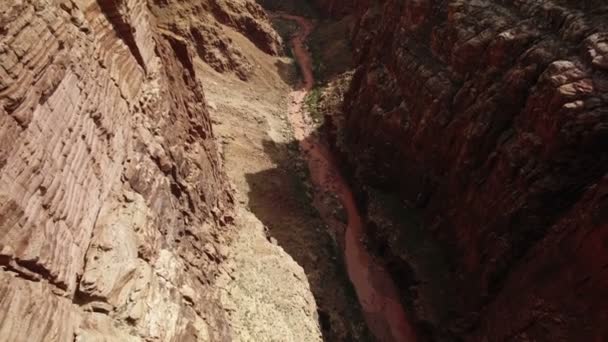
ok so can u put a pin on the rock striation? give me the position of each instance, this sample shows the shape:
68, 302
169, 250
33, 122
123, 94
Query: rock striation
206, 22
490, 120
110, 181
115, 211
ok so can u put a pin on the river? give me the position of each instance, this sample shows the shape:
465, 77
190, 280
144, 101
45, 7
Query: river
376, 291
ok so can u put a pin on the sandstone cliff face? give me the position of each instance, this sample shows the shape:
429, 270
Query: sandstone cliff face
202, 22
113, 203
490, 118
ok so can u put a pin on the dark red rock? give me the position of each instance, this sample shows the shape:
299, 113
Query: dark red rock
335, 8
491, 118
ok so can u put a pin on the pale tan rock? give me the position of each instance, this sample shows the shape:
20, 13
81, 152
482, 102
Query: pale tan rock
113, 202
30, 311
112, 263
97, 327
58, 161
268, 297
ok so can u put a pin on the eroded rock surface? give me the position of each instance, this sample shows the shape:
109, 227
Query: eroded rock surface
115, 212
110, 184
489, 119
206, 23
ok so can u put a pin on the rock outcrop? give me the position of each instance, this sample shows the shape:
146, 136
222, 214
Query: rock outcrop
115, 212
489, 119
205, 23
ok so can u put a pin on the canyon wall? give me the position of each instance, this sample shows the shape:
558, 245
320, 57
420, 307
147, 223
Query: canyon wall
486, 124
114, 208
334, 8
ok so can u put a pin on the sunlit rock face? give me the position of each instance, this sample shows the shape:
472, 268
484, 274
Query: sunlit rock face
112, 196
490, 120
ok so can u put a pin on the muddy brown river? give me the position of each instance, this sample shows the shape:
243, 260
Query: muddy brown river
375, 289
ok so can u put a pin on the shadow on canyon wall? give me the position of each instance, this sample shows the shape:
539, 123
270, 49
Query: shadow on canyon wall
280, 198
287, 71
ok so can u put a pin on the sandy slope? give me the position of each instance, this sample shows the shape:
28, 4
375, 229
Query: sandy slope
260, 156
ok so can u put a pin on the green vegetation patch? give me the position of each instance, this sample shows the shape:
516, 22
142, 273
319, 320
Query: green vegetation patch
312, 103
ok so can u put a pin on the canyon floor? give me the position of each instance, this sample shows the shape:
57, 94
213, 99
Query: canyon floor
263, 161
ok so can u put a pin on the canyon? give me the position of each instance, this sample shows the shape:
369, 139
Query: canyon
323, 170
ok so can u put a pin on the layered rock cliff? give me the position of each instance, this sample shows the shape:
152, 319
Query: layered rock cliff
479, 132
115, 212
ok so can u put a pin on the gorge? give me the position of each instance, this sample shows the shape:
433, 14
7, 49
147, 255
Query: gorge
322, 170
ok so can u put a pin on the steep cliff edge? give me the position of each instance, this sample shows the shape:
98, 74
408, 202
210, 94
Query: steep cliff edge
479, 134
116, 216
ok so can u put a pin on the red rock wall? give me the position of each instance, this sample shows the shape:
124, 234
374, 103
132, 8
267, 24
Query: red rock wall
491, 118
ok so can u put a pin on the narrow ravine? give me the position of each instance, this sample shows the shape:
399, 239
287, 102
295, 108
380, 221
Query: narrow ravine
375, 289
